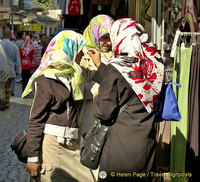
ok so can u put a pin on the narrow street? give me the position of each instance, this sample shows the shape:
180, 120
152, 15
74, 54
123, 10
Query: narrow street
12, 121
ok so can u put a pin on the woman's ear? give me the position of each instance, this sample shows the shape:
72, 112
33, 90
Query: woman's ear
79, 57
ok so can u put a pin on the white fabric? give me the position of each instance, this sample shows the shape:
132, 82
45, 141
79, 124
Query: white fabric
137, 59
62, 79
61, 131
33, 159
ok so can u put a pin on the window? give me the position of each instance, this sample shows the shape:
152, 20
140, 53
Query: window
50, 30
1, 1
45, 30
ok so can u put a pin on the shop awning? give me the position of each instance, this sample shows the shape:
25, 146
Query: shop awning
17, 22
4, 8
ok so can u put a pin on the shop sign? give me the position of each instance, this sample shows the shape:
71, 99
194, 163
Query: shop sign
27, 4
4, 8
30, 27
54, 13
15, 2
4, 16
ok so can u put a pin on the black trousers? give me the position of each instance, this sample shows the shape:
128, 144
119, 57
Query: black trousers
26, 74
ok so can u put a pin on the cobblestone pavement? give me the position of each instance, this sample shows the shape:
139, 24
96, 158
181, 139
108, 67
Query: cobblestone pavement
12, 121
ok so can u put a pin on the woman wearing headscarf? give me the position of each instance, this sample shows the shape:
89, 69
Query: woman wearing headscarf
28, 62
136, 71
95, 31
97, 37
53, 127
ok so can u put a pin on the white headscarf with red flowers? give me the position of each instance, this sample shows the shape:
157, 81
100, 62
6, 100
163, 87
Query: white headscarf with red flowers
137, 60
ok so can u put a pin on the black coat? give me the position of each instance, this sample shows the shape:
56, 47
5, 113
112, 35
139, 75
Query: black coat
131, 144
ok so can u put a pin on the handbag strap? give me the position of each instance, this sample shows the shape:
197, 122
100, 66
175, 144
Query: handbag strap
125, 105
177, 84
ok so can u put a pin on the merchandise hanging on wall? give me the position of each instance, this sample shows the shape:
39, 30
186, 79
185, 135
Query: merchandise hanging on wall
74, 7
185, 134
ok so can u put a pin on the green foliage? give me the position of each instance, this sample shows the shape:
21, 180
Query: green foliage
46, 4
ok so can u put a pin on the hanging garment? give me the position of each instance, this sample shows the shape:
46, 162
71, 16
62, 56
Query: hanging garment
74, 7
193, 157
175, 11
181, 75
163, 139
193, 114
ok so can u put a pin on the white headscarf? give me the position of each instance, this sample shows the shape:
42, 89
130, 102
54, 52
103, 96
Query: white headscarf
137, 60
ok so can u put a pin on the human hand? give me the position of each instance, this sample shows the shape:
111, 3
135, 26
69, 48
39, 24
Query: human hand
96, 56
17, 75
79, 57
94, 90
33, 168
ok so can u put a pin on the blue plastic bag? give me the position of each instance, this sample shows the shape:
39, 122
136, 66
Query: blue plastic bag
167, 105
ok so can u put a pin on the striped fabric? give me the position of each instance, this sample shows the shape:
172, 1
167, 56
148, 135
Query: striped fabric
38, 52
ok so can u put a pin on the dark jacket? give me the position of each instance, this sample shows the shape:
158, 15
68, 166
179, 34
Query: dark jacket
131, 144
50, 95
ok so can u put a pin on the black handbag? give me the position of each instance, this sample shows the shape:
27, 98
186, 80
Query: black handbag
93, 141
18, 146
19, 143
92, 144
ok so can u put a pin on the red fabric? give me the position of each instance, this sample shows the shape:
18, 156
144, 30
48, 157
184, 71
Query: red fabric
28, 61
74, 7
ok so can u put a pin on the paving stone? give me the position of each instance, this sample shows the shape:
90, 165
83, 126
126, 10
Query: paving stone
12, 121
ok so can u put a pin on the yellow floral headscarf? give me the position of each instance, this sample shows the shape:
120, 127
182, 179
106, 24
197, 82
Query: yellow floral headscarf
59, 59
97, 27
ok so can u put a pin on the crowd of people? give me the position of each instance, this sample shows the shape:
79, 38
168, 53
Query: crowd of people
79, 78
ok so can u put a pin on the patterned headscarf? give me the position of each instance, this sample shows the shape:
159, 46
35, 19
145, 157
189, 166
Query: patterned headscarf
97, 27
26, 47
59, 59
137, 60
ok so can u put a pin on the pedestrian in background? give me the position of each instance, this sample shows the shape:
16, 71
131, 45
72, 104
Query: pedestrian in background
38, 49
28, 61
13, 59
43, 43
19, 42
52, 140
135, 71
35, 39
4, 68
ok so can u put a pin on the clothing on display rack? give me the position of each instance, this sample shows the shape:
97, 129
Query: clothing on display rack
179, 129
185, 134
193, 147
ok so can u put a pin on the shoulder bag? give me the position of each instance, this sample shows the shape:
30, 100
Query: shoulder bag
18, 146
